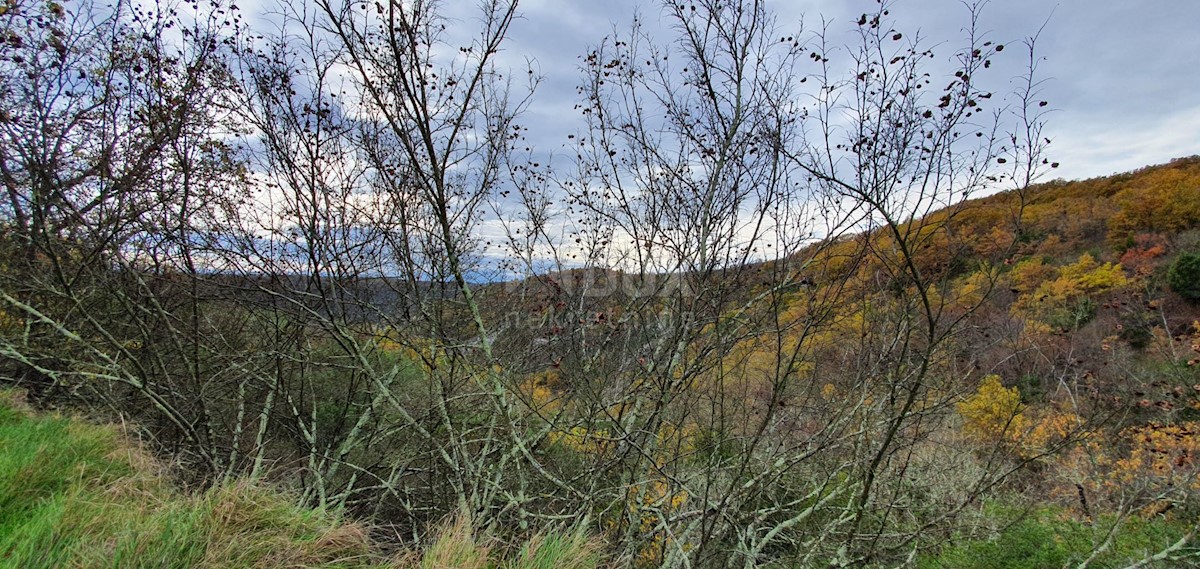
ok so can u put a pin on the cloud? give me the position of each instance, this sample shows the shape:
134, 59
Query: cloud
1121, 73
1089, 145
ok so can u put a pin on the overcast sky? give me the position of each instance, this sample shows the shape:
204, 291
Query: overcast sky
1123, 76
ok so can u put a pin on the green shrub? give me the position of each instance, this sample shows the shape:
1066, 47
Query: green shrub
1184, 276
1050, 539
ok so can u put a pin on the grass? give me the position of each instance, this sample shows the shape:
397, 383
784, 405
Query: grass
1049, 539
73, 494
559, 551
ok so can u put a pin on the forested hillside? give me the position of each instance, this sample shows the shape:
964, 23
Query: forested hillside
776, 300
1070, 384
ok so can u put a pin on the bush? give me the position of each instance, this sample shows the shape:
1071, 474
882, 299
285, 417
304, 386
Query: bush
1050, 539
1184, 276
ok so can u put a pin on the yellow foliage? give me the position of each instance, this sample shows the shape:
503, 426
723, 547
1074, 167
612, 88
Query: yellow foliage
976, 286
828, 391
540, 391
655, 496
993, 412
580, 439
417, 350
1088, 275
677, 441
1028, 274
1165, 200
1060, 298
1034, 328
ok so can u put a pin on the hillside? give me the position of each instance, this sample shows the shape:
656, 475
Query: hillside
1034, 368
1069, 387
1072, 360
774, 315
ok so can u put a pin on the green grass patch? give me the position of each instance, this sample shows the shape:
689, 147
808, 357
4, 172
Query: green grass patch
74, 494
1050, 539
78, 495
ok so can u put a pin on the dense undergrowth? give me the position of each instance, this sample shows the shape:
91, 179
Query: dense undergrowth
769, 310
1051, 537
74, 494
1070, 393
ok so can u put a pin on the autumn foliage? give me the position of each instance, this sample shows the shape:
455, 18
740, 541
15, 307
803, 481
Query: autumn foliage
783, 302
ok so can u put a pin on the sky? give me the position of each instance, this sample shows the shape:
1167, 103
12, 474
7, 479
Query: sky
1122, 76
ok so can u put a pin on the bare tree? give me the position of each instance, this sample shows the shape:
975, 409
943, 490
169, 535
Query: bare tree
736, 157
98, 108
737, 342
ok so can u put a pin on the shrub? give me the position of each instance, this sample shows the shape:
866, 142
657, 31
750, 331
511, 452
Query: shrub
1050, 539
993, 412
1184, 276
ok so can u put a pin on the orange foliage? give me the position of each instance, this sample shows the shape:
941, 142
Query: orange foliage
1030, 273
1147, 465
1049, 427
1163, 453
1146, 248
